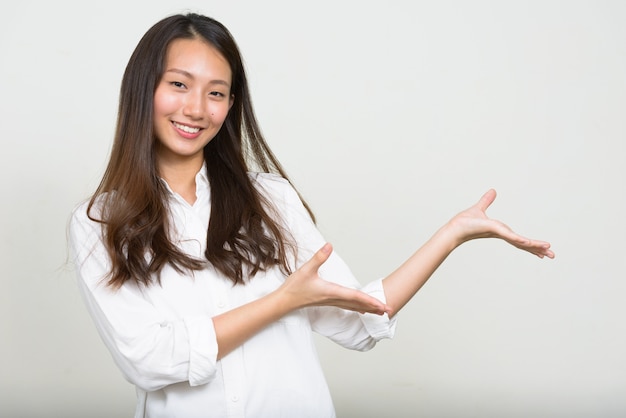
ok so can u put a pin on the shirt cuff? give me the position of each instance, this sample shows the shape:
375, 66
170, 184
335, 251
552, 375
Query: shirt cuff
378, 326
202, 349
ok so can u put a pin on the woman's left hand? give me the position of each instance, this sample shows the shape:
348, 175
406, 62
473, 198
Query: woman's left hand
474, 223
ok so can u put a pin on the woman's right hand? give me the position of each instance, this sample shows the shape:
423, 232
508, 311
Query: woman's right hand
305, 287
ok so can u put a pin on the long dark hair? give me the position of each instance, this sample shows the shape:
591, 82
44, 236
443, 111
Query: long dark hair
244, 233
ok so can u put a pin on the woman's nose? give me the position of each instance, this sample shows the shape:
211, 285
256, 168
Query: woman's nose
194, 106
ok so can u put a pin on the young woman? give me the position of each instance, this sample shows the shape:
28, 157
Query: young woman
198, 261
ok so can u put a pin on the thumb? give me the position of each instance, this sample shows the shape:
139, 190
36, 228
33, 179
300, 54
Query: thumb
486, 200
320, 257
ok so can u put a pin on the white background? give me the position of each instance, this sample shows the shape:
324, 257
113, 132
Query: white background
390, 117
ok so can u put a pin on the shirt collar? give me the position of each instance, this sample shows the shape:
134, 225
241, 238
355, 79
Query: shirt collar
202, 181
201, 177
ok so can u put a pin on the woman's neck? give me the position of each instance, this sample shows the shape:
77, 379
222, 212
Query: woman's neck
181, 177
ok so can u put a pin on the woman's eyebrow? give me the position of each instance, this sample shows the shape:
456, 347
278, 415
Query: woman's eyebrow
189, 75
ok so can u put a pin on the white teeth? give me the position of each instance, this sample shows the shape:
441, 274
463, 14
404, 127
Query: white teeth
187, 129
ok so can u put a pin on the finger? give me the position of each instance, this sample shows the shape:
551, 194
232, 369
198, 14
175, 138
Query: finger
486, 200
542, 249
319, 257
356, 300
538, 248
373, 306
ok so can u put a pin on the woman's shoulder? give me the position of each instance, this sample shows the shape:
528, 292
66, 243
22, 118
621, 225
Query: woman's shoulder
263, 177
79, 212
274, 184
281, 194
89, 209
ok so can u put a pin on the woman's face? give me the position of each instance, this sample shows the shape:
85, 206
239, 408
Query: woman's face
191, 101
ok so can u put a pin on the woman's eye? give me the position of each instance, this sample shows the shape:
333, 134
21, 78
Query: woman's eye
216, 94
177, 84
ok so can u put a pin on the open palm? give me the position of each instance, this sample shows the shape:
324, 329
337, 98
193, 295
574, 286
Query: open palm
474, 223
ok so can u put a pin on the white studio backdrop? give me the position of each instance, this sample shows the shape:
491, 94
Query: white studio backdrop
390, 117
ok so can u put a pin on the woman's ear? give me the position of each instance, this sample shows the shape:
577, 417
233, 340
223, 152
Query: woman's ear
232, 100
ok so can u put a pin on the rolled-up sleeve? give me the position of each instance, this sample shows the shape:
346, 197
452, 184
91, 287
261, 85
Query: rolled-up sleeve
151, 349
202, 349
378, 326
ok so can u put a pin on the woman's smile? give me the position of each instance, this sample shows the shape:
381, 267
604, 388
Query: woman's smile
186, 130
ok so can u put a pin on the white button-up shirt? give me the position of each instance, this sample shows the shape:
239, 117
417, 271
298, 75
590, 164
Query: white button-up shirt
162, 336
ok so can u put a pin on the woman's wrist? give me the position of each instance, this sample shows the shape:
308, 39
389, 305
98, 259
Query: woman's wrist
283, 301
451, 235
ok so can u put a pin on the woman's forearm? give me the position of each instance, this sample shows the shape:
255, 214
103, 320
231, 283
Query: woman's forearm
403, 283
236, 326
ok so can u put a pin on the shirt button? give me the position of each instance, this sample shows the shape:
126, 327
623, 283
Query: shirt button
220, 304
235, 398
